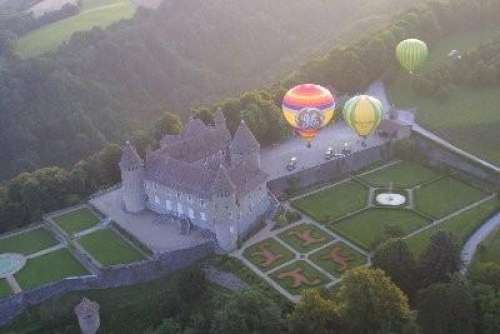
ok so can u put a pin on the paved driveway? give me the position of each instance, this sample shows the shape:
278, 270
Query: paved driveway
274, 159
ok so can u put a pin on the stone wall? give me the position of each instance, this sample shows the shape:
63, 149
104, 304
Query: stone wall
331, 171
439, 155
111, 277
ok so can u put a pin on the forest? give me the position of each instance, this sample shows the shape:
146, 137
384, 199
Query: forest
352, 67
103, 85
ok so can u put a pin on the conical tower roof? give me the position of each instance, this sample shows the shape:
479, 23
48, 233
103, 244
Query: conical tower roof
244, 141
130, 158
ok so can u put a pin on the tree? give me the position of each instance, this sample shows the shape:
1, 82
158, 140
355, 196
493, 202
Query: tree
487, 301
371, 303
446, 308
486, 273
440, 260
315, 314
248, 312
396, 260
168, 124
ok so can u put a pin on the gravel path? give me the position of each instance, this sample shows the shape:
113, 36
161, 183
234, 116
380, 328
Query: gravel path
473, 242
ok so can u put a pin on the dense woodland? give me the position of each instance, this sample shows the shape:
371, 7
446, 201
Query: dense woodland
104, 85
476, 68
87, 124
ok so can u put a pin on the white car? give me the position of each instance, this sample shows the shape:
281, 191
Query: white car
329, 154
292, 164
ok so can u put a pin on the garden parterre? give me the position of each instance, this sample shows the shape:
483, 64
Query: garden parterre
342, 224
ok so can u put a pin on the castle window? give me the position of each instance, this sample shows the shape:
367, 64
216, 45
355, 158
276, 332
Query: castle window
180, 209
157, 199
202, 203
168, 204
191, 213
203, 216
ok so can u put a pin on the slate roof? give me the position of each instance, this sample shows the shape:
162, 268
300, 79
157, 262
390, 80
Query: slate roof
389, 126
130, 158
244, 141
197, 161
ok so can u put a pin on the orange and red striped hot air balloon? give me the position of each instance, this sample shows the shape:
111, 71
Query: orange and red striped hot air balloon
308, 108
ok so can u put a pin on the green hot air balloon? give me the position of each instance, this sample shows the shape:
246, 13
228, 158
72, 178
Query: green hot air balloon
412, 53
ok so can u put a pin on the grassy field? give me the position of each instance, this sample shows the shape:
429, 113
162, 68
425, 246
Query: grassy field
461, 226
28, 243
49, 268
489, 251
334, 202
252, 254
309, 272
109, 248
4, 288
94, 13
354, 259
403, 175
291, 238
445, 196
370, 227
469, 117
77, 221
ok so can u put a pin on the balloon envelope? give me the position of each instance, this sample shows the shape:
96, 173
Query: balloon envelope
363, 114
412, 53
308, 108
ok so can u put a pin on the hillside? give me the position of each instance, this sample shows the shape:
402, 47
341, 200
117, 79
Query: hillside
467, 114
104, 84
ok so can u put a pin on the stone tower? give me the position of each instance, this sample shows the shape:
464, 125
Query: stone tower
132, 170
244, 147
88, 316
225, 210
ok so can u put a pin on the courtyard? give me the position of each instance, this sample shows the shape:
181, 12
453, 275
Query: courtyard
343, 223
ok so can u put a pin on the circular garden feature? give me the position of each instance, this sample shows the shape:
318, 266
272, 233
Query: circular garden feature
11, 263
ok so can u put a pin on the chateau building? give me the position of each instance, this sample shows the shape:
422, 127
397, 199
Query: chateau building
202, 175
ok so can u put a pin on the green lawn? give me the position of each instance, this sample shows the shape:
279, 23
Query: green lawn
77, 221
109, 248
489, 250
322, 258
334, 202
253, 255
28, 242
403, 175
373, 226
95, 13
311, 274
4, 288
445, 196
293, 238
461, 226
49, 268
469, 117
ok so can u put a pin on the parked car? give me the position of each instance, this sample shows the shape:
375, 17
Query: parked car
329, 154
292, 164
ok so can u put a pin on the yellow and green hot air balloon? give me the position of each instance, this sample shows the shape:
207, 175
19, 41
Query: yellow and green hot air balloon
363, 114
412, 53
